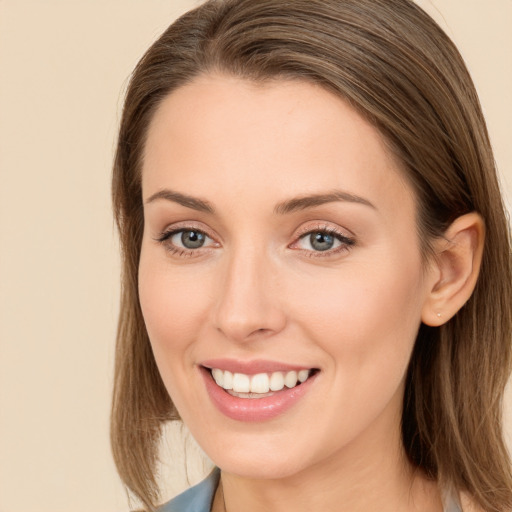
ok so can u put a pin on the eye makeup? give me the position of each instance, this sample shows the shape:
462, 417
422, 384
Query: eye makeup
317, 241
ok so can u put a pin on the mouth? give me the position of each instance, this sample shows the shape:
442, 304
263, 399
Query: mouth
248, 393
260, 385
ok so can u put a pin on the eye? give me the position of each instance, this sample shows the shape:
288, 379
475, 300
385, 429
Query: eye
189, 239
185, 241
323, 240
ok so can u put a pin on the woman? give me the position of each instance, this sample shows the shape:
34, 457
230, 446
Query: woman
317, 274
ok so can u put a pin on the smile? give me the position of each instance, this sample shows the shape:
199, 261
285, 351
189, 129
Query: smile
260, 385
258, 391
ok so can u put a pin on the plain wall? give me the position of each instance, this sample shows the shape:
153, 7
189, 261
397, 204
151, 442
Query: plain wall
63, 69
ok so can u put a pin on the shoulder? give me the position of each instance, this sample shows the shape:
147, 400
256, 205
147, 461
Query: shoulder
468, 504
196, 499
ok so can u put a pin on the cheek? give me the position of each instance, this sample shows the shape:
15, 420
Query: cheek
365, 318
365, 321
361, 299
174, 306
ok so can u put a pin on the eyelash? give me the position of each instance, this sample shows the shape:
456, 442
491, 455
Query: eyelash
165, 237
346, 243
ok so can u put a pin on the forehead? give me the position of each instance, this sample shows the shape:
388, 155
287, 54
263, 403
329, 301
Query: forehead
220, 133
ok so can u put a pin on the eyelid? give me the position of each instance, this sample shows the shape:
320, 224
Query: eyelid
184, 226
165, 236
312, 227
346, 237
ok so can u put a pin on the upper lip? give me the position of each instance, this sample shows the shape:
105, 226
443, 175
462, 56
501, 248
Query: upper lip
252, 367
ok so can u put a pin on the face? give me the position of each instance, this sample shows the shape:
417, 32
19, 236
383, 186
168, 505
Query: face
281, 279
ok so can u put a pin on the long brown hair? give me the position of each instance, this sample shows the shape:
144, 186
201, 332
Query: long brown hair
393, 64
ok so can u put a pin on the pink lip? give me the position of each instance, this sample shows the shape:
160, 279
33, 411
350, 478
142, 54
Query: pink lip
251, 367
254, 409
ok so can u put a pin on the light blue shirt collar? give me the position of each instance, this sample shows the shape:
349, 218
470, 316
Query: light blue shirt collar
200, 497
196, 499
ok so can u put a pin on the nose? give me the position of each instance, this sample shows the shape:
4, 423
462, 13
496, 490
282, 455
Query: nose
249, 304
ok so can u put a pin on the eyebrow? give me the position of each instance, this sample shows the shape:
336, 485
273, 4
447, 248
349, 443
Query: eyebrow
310, 201
188, 201
288, 206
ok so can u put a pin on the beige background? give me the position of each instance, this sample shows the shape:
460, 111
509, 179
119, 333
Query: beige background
63, 67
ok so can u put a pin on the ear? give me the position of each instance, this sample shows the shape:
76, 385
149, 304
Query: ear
454, 269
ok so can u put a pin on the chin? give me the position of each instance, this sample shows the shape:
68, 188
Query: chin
257, 456
262, 469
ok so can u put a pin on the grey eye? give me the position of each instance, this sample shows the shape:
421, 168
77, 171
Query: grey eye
321, 241
189, 239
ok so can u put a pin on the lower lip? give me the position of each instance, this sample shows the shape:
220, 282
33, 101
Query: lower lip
254, 409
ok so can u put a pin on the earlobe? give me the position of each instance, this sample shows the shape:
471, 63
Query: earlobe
454, 269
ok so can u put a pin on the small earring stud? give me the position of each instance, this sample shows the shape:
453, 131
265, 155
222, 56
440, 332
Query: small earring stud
438, 315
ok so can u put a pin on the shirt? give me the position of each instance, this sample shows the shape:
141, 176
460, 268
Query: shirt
200, 497
196, 499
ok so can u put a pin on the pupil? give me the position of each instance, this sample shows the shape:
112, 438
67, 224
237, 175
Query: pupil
321, 241
192, 239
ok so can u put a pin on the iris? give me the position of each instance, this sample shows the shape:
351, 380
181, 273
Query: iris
192, 239
321, 241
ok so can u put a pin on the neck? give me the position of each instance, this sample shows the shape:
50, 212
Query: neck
369, 474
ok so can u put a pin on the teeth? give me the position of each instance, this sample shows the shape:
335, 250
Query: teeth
303, 375
218, 377
249, 395
241, 383
276, 381
228, 380
259, 384
291, 379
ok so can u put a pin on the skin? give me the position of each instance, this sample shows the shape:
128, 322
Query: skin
257, 289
